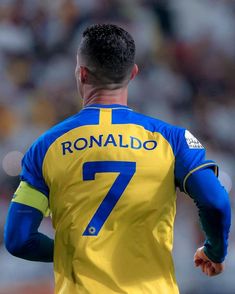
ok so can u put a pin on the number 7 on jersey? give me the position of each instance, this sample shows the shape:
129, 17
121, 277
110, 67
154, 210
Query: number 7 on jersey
126, 171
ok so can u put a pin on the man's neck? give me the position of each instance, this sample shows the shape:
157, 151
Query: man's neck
103, 96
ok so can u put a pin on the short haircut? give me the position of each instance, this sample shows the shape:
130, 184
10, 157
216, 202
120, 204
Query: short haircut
108, 52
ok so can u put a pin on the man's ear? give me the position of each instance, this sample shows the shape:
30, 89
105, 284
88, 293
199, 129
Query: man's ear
134, 71
83, 74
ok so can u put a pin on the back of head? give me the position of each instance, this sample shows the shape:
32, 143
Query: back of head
108, 52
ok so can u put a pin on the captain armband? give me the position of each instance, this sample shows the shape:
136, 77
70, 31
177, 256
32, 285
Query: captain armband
28, 195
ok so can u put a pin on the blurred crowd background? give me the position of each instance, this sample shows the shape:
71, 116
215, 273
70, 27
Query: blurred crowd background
186, 57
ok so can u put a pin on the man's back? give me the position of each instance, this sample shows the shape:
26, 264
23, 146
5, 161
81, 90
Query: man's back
113, 204
111, 176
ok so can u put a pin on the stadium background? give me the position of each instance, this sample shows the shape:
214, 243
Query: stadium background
186, 56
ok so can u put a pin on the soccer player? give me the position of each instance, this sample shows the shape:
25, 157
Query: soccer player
108, 175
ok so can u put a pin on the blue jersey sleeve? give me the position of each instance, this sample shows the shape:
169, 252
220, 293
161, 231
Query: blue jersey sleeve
214, 211
32, 167
190, 156
21, 235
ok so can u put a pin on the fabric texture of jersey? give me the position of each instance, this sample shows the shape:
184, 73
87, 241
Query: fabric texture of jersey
110, 177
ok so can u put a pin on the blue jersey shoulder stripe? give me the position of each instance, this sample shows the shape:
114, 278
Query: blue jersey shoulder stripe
33, 159
169, 132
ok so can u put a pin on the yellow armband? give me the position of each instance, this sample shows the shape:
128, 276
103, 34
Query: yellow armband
28, 195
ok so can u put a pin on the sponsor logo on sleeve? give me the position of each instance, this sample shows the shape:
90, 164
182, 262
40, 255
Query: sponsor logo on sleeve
192, 142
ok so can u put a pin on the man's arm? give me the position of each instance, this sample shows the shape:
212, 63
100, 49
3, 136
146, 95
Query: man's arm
215, 216
28, 206
21, 235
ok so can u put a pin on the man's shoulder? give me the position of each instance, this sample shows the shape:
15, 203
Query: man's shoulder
173, 134
155, 125
35, 155
46, 139
60, 128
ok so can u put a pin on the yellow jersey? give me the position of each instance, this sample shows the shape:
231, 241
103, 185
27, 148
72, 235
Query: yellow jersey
108, 175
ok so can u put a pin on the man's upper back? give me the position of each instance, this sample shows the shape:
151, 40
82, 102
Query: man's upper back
110, 175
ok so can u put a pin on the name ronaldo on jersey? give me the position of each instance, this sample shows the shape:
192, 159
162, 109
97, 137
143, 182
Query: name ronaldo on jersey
119, 141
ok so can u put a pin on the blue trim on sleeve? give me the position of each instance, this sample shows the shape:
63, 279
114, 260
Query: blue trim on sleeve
208, 164
33, 159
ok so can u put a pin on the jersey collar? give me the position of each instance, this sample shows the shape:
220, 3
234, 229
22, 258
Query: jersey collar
120, 106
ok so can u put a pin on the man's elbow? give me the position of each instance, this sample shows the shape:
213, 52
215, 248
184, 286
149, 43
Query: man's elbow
13, 246
222, 208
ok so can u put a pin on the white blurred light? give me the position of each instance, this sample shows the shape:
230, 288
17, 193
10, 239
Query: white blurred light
225, 180
12, 163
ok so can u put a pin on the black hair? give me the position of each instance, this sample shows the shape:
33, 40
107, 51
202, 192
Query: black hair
108, 52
